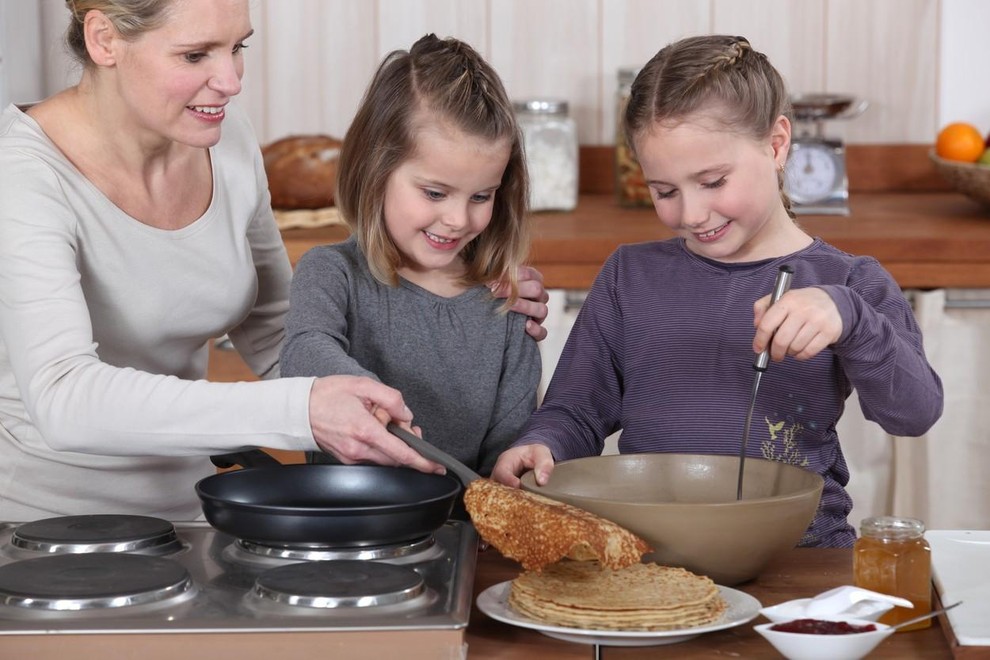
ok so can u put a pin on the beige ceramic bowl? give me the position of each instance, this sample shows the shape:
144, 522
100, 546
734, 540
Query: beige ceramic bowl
684, 505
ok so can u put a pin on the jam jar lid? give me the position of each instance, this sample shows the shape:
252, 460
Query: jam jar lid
892, 527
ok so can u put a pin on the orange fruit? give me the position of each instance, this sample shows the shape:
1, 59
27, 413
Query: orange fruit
959, 141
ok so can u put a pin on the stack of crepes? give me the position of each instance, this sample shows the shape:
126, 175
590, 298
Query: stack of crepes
583, 571
580, 594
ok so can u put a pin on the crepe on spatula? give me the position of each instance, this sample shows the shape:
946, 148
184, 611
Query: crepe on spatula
537, 531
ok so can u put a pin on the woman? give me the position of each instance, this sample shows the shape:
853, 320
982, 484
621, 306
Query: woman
132, 230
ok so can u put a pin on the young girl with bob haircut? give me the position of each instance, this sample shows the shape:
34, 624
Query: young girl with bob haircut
432, 182
663, 347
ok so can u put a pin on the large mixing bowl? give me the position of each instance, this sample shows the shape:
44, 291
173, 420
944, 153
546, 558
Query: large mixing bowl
685, 506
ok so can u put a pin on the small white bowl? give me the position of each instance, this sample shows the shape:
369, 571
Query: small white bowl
805, 646
797, 609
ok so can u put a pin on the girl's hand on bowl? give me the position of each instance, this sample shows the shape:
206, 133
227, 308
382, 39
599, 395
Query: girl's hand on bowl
513, 462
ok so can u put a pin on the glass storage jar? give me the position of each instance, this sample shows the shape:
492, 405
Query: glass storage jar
550, 142
891, 556
630, 185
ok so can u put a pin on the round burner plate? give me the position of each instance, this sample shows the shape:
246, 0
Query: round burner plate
325, 553
340, 583
94, 533
91, 581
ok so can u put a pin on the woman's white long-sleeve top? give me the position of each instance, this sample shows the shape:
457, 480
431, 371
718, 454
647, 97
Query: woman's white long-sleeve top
104, 331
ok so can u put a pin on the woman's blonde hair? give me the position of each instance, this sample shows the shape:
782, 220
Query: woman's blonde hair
131, 18
717, 74
449, 80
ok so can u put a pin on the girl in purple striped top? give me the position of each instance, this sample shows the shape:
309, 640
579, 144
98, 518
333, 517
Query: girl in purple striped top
664, 345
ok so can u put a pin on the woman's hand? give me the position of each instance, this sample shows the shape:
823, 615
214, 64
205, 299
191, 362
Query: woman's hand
513, 462
532, 301
348, 416
802, 324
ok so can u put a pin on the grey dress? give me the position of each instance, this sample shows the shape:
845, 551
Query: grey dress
468, 372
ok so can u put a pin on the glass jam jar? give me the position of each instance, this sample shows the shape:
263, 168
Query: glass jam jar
891, 556
630, 185
551, 146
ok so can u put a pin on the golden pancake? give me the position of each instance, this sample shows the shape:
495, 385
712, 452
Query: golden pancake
639, 597
537, 531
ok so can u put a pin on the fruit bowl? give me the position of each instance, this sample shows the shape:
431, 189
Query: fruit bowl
971, 179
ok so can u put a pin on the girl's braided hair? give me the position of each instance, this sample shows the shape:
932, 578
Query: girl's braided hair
441, 80
720, 75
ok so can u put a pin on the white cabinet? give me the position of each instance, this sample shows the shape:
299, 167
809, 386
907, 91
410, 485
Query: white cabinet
558, 324
941, 476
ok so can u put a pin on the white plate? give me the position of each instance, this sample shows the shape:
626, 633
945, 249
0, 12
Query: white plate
961, 571
741, 607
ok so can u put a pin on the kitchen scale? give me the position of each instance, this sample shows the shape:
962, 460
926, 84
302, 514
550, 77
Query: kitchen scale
815, 175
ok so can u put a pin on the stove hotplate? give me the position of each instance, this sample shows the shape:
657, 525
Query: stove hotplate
95, 533
131, 574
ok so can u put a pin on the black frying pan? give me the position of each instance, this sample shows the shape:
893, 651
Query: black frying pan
340, 505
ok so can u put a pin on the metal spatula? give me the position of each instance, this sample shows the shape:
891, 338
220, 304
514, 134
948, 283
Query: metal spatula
782, 283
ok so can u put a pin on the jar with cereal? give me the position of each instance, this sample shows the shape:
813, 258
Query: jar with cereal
551, 146
630, 186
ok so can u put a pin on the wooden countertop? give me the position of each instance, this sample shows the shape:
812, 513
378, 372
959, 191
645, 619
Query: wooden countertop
926, 240
798, 573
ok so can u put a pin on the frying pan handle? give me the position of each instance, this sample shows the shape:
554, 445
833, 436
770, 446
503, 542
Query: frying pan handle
249, 458
463, 472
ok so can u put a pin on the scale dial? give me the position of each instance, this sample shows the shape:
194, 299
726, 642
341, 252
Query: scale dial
815, 172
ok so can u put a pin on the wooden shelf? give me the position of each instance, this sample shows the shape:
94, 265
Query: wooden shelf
926, 240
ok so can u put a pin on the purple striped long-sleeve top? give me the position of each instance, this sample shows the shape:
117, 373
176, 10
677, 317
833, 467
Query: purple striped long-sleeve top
662, 349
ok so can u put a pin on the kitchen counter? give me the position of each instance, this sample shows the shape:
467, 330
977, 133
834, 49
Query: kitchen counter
798, 573
926, 240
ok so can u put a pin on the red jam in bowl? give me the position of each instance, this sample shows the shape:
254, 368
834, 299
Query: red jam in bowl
819, 627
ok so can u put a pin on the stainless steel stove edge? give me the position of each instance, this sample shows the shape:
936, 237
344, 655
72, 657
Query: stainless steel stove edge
218, 604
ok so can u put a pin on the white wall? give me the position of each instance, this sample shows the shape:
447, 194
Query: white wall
917, 61
4, 83
964, 81
21, 68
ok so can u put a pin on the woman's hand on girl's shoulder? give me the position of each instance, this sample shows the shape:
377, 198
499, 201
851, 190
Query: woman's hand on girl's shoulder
532, 301
801, 324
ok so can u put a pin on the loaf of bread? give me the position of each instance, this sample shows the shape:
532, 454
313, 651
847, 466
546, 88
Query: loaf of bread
302, 171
